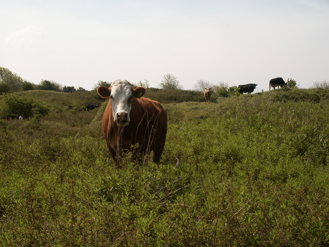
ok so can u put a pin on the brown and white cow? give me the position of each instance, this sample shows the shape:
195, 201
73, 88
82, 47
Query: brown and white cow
207, 94
133, 123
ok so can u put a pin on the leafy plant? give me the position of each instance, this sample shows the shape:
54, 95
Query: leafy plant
245, 171
49, 85
28, 86
170, 82
4, 88
15, 107
291, 83
13, 81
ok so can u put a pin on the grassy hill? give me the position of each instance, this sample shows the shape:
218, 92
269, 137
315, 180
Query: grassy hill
242, 171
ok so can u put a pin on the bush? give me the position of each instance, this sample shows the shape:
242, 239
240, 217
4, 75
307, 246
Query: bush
81, 89
170, 82
297, 95
69, 89
246, 171
169, 95
291, 83
223, 90
103, 84
4, 88
28, 86
324, 85
13, 81
27, 108
49, 85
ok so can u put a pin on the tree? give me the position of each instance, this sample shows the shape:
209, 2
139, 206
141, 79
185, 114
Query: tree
233, 91
4, 88
12, 80
201, 85
291, 83
15, 107
81, 89
69, 89
28, 86
222, 90
144, 83
324, 84
170, 82
103, 84
49, 85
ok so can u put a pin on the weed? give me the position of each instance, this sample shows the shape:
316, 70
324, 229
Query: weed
246, 171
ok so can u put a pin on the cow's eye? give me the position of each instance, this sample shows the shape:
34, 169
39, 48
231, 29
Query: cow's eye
111, 96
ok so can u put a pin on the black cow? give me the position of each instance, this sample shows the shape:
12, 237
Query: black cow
90, 107
277, 82
247, 88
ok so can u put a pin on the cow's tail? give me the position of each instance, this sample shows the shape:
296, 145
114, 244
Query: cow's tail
269, 86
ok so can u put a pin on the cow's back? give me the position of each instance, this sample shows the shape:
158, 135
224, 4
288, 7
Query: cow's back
147, 116
148, 127
247, 88
277, 82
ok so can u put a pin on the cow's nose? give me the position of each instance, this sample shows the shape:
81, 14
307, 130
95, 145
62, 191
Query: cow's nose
122, 118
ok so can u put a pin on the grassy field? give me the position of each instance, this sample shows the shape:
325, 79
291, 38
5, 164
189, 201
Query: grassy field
242, 171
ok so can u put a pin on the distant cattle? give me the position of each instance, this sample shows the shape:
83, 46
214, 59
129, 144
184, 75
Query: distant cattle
90, 107
277, 82
247, 88
132, 122
207, 94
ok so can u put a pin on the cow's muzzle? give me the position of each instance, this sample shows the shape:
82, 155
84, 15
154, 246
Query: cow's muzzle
122, 119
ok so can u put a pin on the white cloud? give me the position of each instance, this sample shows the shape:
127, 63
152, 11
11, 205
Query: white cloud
26, 36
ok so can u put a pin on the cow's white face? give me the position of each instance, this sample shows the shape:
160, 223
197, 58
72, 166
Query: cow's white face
121, 93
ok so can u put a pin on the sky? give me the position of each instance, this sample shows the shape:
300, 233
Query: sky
80, 42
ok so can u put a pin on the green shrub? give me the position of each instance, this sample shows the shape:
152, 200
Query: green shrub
170, 96
170, 82
28, 86
69, 89
4, 88
297, 95
221, 90
27, 108
13, 81
246, 171
49, 85
291, 83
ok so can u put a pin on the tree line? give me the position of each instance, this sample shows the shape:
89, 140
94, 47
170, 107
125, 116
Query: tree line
10, 82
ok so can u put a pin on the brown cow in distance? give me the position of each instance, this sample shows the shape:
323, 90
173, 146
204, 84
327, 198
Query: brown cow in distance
133, 123
207, 94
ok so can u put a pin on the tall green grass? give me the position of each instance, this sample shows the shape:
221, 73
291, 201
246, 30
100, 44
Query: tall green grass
246, 171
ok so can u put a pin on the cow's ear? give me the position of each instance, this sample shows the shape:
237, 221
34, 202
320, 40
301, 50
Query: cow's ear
139, 92
104, 92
